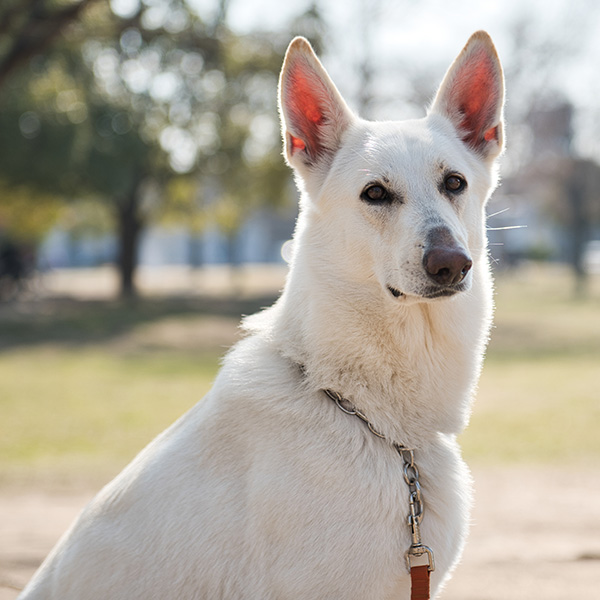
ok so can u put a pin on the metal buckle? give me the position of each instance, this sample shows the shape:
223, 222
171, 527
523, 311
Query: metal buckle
417, 552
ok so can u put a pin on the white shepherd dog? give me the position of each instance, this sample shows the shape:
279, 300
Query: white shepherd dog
272, 487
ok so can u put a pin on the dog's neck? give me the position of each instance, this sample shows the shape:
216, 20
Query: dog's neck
410, 368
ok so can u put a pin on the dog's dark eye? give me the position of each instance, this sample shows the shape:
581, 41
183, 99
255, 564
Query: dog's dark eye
375, 194
454, 183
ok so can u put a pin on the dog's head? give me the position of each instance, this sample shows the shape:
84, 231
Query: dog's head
401, 204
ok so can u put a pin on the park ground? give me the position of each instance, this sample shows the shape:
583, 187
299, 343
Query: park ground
85, 382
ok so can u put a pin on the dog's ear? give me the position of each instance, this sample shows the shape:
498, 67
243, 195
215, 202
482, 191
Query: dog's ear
314, 116
472, 96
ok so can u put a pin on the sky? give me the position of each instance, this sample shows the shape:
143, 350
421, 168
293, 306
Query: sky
405, 24
425, 36
431, 32
428, 34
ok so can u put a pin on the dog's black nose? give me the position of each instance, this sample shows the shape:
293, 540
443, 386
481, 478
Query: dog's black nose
447, 265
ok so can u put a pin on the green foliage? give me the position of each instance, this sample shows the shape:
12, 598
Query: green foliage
87, 218
182, 204
26, 215
29, 27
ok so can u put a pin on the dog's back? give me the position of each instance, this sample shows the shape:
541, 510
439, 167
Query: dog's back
266, 489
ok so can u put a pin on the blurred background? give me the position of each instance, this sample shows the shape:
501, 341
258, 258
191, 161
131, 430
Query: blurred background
145, 206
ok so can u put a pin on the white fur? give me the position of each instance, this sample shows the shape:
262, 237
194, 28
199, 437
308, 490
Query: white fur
265, 489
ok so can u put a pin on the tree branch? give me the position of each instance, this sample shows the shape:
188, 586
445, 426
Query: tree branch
37, 33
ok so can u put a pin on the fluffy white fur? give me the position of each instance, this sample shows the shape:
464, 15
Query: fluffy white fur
265, 489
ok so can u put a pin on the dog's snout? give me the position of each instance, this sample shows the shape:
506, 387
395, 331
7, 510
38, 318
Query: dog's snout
446, 262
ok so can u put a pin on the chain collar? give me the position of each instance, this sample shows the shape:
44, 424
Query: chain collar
411, 477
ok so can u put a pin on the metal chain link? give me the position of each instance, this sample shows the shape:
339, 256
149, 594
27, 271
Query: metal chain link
416, 507
411, 477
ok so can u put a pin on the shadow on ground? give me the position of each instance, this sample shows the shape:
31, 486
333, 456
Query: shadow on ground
69, 322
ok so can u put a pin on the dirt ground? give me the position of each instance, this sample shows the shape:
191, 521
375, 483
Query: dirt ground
535, 535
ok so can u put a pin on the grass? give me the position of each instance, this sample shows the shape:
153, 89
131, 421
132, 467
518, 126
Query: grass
83, 387
65, 408
539, 394
542, 409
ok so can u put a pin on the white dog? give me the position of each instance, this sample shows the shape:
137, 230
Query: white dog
273, 488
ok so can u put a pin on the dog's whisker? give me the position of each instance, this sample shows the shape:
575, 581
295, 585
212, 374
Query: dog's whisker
498, 212
507, 227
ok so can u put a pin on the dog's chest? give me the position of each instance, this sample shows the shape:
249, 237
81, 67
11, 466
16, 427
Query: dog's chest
343, 500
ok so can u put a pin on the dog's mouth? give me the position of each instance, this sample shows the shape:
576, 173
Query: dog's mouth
394, 292
435, 291
445, 293
431, 292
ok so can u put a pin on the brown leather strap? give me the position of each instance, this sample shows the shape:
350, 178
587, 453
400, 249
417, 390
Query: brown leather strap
419, 578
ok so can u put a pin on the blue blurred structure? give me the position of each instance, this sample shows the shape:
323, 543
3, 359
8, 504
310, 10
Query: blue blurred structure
258, 240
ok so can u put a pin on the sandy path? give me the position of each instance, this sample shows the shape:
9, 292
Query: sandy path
536, 535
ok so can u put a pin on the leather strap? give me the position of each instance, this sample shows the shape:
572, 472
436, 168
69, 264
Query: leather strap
419, 578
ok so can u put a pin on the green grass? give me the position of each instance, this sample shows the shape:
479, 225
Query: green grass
539, 394
64, 410
537, 316
537, 409
83, 387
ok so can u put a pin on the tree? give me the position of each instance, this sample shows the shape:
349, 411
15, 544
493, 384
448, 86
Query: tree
122, 104
546, 159
570, 185
29, 27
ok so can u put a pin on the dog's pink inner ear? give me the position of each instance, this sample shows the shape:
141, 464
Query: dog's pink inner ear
304, 99
296, 143
475, 96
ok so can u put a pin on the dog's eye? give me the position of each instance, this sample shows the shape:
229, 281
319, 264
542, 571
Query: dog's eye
454, 183
375, 194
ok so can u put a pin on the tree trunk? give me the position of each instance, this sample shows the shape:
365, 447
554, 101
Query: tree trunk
195, 250
130, 227
233, 258
579, 229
